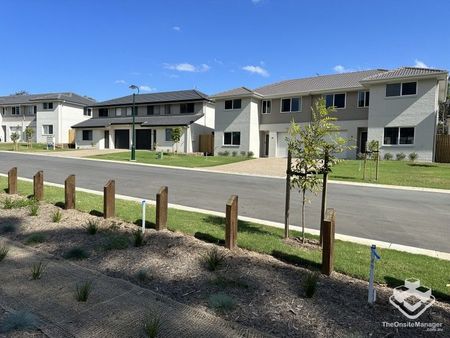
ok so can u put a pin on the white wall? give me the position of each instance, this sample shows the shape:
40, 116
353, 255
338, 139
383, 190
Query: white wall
20, 122
419, 111
97, 139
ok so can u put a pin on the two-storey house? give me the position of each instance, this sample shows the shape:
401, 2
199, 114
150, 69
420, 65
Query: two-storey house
399, 108
156, 115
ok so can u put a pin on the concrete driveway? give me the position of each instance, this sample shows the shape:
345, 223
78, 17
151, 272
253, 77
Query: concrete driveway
258, 166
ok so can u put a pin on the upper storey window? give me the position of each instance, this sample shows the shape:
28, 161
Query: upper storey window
335, 100
363, 99
233, 104
401, 89
291, 105
47, 105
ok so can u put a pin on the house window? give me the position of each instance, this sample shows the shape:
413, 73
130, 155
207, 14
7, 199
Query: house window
363, 99
291, 105
150, 110
119, 111
187, 108
168, 134
47, 129
15, 110
103, 112
398, 135
47, 105
232, 138
233, 104
167, 109
128, 110
35, 110
266, 106
401, 89
335, 100
87, 112
87, 135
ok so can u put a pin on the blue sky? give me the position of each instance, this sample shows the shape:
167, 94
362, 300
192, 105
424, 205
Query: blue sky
98, 48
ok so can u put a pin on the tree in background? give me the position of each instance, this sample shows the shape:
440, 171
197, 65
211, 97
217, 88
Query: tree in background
177, 132
28, 136
20, 92
309, 145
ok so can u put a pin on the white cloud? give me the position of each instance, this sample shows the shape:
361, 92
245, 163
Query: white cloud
420, 64
147, 88
341, 69
176, 28
218, 61
256, 70
187, 67
120, 82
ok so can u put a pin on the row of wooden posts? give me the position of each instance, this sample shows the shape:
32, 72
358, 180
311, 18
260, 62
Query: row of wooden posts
231, 221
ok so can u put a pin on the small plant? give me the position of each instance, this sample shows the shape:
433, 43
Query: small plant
34, 209
37, 270
56, 216
35, 238
234, 153
250, 154
221, 302
413, 157
388, 156
92, 226
3, 252
400, 156
143, 276
226, 153
243, 153
76, 254
9, 203
310, 284
18, 321
8, 228
83, 291
138, 238
116, 242
152, 325
213, 259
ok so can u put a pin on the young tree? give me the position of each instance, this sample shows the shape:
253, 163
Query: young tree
15, 137
309, 145
28, 135
177, 132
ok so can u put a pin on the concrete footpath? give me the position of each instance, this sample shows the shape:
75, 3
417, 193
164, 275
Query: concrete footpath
115, 308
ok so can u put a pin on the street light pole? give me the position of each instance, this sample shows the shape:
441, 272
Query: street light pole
133, 114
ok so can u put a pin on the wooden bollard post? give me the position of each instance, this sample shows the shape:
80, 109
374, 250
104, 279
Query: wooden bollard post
69, 192
329, 225
231, 222
162, 203
38, 186
109, 199
12, 181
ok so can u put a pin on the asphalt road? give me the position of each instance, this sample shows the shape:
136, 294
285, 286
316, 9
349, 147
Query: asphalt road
414, 218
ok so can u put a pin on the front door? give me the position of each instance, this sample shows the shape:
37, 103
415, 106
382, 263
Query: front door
362, 141
266, 145
106, 139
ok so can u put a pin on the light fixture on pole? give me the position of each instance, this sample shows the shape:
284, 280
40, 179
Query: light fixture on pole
133, 114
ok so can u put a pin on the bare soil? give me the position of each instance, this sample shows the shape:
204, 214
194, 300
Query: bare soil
268, 294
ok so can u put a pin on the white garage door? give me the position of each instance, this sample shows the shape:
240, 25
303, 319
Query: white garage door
282, 148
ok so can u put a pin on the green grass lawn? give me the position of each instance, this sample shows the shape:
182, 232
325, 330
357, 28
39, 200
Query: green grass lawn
36, 147
429, 175
350, 259
179, 160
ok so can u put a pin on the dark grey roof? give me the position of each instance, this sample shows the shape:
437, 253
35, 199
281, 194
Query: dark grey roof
176, 96
240, 91
318, 83
30, 99
145, 121
405, 72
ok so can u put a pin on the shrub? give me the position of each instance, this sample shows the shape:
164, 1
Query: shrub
243, 153
213, 259
83, 291
116, 242
76, 254
400, 156
92, 226
9, 203
310, 284
9, 227
413, 157
35, 238
143, 276
37, 270
388, 156
18, 321
34, 209
221, 302
56, 216
234, 153
152, 325
138, 238
226, 153
3, 252
250, 154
